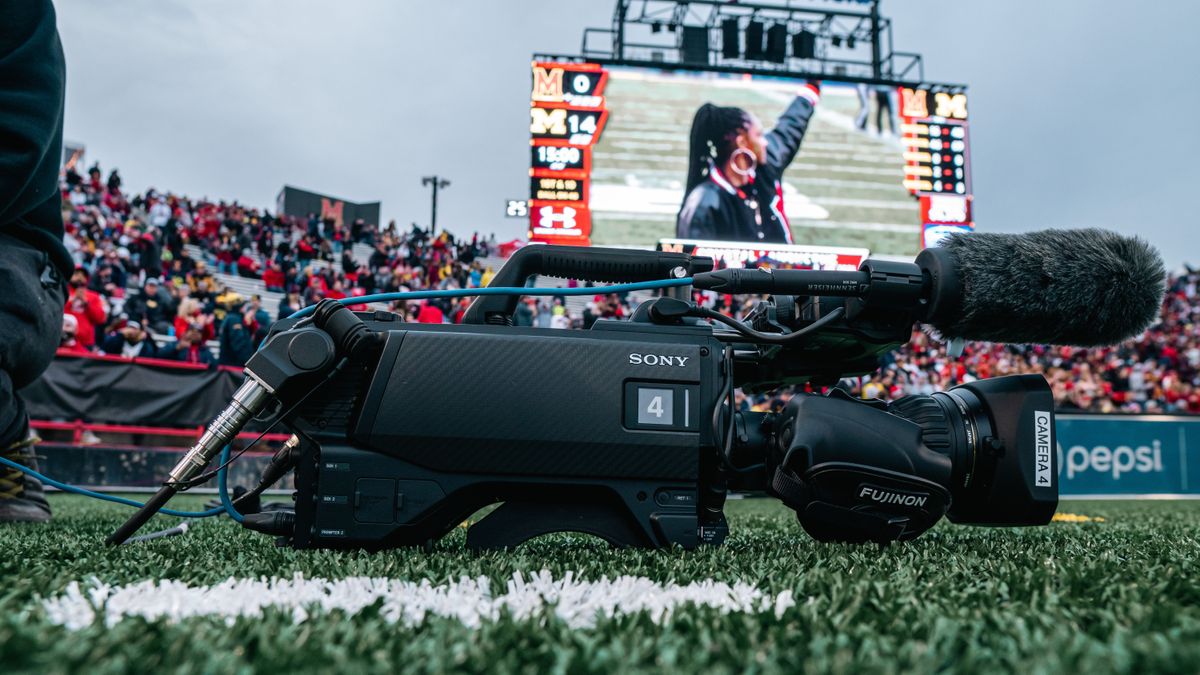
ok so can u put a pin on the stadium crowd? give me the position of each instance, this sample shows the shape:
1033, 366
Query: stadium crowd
137, 291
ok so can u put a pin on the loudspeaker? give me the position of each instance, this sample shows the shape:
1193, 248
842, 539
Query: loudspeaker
729, 39
695, 44
777, 43
754, 41
804, 45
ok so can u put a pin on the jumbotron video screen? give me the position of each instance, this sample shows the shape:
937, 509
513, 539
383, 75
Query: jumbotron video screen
814, 174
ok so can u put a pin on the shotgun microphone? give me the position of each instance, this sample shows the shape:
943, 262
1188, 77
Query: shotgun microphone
1083, 288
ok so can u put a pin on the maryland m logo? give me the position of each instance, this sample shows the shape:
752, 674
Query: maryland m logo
332, 210
548, 121
547, 84
913, 103
951, 105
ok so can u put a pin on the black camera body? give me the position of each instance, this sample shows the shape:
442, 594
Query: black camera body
609, 430
628, 431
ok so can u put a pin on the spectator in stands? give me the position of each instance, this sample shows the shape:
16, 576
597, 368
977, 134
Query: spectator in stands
200, 275
88, 308
241, 333
289, 305
430, 313
306, 250
247, 266
191, 316
109, 277
159, 211
226, 260
261, 315
153, 307
380, 257
203, 293
542, 319
190, 348
559, 317
337, 291
591, 312
225, 303
68, 341
274, 277
130, 341
523, 316
147, 244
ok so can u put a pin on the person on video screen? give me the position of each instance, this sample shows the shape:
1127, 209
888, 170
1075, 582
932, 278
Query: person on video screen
735, 172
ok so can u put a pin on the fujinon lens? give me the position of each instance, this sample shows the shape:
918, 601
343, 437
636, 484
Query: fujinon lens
999, 436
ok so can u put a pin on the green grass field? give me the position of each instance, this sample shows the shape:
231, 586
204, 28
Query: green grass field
1122, 595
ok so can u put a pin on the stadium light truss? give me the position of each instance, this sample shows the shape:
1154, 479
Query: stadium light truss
846, 40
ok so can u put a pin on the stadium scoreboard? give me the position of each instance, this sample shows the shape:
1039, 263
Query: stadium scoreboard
566, 117
937, 160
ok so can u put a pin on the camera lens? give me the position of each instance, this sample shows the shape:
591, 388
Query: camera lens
999, 436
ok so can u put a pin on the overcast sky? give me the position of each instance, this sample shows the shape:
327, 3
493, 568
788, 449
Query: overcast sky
1083, 112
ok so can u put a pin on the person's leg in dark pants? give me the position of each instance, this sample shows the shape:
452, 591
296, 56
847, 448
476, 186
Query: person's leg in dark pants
31, 310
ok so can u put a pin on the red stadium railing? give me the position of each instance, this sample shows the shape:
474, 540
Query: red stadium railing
141, 360
78, 427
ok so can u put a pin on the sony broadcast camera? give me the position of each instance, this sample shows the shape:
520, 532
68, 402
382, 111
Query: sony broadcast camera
628, 431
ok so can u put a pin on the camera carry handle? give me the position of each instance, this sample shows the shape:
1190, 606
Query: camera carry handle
585, 263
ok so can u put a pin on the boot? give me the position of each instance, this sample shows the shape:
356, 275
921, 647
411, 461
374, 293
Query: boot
22, 499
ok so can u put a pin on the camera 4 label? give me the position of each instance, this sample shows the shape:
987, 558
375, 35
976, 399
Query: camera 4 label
1043, 425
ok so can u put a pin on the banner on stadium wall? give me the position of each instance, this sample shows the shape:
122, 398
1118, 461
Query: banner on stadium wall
296, 202
1128, 455
112, 390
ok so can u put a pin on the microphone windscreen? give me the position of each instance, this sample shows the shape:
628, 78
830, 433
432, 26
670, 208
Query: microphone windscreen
1083, 288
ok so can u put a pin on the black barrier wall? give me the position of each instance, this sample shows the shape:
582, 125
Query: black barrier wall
119, 391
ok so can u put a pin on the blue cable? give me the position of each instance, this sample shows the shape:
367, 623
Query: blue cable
108, 498
222, 475
222, 486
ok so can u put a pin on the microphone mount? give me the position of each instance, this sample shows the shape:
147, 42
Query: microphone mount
877, 286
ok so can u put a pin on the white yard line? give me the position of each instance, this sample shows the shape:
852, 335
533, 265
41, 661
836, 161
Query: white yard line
579, 603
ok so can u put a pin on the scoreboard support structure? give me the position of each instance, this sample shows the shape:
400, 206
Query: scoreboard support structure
849, 40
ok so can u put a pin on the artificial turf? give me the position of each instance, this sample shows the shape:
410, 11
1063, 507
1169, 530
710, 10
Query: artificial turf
1122, 595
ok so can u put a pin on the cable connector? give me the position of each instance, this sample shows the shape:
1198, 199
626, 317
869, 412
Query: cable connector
275, 523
